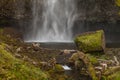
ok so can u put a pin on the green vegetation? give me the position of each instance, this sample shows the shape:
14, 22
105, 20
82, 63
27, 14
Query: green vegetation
115, 76
88, 63
14, 69
90, 41
92, 59
92, 72
57, 73
112, 74
117, 2
58, 68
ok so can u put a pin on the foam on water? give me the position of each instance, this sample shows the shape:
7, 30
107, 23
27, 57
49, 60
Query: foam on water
65, 67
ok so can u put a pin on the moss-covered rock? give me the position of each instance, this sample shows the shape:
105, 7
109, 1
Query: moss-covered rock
86, 61
58, 68
92, 59
15, 69
92, 72
91, 41
112, 74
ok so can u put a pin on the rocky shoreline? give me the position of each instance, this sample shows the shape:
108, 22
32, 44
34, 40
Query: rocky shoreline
96, 66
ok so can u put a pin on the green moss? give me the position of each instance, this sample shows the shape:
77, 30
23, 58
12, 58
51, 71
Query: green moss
90, 41
14, 69
92, 59
57, 73
87, 63
103, 78
112, 73
115, 76
58, 68
1, 30
74, 57
117, 2
92, 71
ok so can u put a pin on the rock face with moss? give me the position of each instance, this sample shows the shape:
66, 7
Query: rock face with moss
23, 61
15, 69
91, 41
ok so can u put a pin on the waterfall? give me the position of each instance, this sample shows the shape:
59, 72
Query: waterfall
54, 23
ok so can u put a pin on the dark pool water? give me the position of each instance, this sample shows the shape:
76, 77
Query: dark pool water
58, 45
76, 75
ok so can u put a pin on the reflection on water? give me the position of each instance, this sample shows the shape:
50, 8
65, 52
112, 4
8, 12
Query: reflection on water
73, 46
55, 45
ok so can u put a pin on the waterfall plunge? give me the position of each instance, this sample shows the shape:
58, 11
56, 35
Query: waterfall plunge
56, 22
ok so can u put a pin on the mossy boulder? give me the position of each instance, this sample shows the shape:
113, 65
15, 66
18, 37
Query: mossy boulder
91, 41
81, 58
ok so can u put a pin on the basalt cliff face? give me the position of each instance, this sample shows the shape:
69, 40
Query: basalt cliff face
89, 15
90, 10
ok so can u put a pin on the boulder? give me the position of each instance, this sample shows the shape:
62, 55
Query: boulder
81, 60
91, 41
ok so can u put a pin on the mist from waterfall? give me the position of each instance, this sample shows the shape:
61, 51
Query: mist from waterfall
55, 23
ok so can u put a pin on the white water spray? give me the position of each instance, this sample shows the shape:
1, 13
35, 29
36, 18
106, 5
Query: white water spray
65, 67
56, 22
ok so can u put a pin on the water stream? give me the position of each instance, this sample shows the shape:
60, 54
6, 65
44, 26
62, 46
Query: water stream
56, 22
